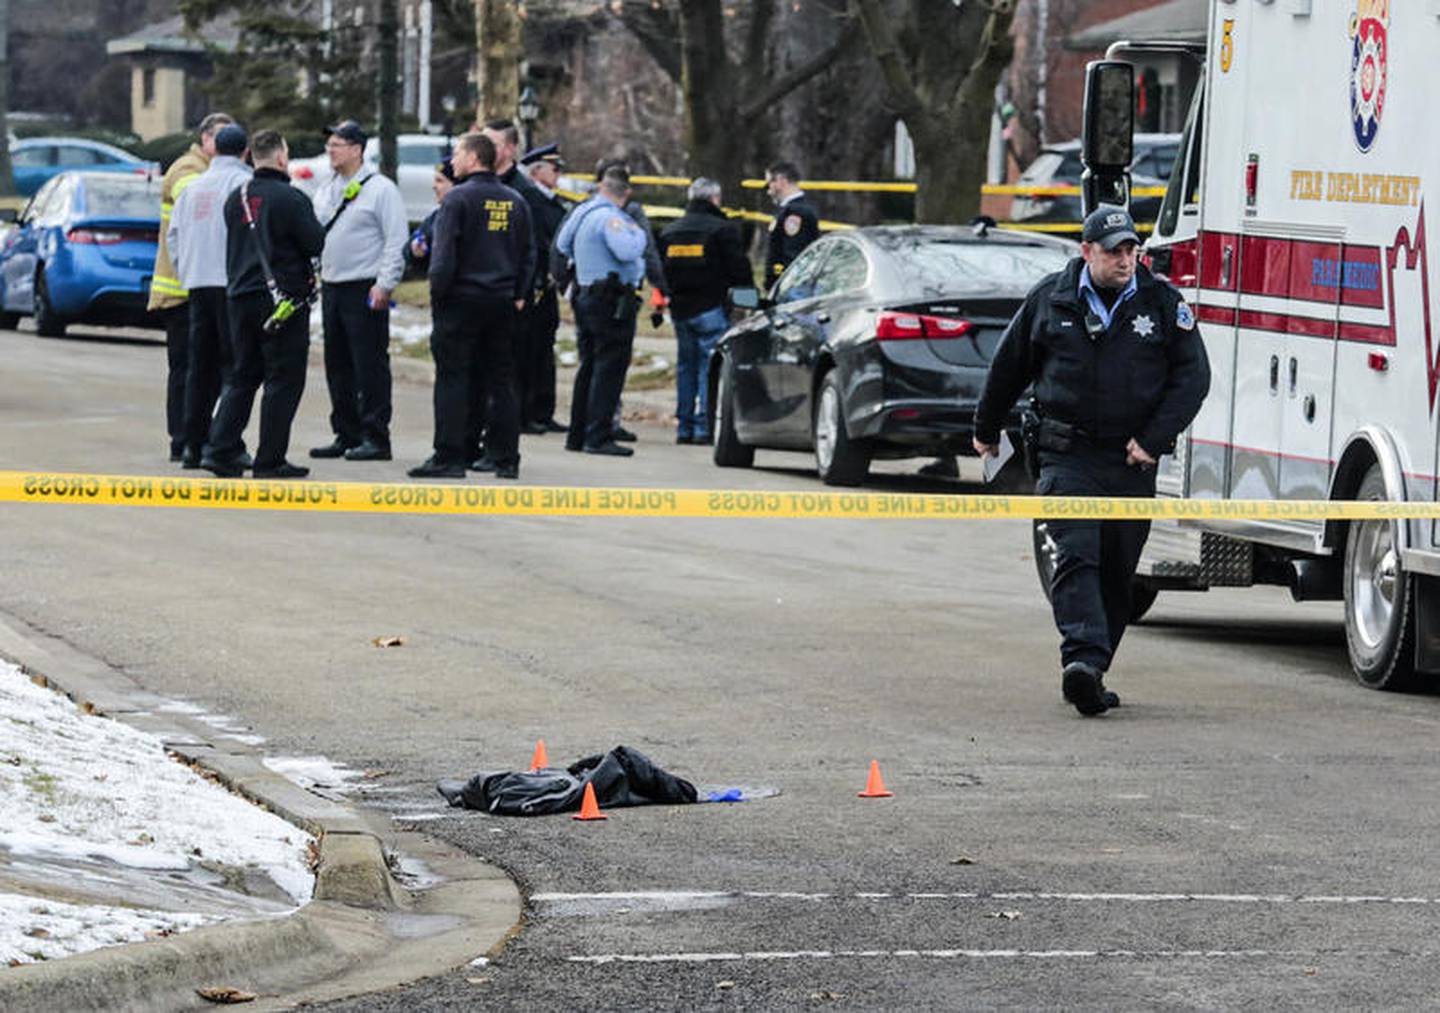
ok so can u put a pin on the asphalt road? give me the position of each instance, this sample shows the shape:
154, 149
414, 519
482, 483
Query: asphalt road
1250, 829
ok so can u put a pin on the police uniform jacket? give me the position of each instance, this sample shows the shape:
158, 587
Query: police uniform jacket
1143, 378
549, 211
704, 257
516, 179
796, 226
483, 247
285, 226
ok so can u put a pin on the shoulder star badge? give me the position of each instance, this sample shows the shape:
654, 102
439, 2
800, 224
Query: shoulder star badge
1144, 326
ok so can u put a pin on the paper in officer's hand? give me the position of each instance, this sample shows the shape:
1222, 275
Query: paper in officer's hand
993, 465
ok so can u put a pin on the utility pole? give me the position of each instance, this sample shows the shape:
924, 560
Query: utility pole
389, 85
7, 178
497, 59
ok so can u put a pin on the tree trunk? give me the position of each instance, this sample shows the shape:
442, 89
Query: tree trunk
498, 49
713, 138
389, 86
7, 177
947, 176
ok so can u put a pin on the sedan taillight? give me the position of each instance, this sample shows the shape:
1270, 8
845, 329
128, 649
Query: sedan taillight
93, 237
890, 326
302, 172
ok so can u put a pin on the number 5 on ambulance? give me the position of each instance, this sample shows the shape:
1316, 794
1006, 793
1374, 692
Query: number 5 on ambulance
1294, 226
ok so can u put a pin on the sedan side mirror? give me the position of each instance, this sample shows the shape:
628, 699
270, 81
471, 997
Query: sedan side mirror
747, 298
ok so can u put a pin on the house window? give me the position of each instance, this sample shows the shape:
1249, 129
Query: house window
147, 86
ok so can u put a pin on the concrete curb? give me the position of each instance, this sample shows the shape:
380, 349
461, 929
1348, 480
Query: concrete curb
363, 931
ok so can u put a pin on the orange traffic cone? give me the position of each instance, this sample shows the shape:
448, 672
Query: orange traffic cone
539, 759
874, 784
589, 808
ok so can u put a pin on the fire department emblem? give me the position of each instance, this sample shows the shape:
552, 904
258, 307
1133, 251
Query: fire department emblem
1369, 66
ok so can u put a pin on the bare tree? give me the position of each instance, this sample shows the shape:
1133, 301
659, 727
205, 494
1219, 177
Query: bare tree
941, 60
724, 93
498, 50
388, 85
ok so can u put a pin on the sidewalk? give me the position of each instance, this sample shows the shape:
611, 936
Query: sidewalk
106, 839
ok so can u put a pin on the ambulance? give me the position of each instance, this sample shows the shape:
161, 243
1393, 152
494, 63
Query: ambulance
1294, 225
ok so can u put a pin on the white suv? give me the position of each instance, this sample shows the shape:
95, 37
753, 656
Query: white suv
419, 154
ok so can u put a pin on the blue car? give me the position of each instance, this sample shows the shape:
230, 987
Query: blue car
82, 250
37, 160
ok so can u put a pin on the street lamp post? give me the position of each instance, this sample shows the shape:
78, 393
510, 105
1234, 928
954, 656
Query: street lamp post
529, 110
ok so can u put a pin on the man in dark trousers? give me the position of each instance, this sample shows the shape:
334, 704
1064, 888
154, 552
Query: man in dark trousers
796, 224
704, 258
1119, 371
365, 237
272, 238
608, 251
481, 268
537, 409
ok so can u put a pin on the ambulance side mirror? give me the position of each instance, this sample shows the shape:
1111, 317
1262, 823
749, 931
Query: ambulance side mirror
1107, 144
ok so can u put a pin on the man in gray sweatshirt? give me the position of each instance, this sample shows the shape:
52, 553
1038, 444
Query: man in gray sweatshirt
196, 240
366, 232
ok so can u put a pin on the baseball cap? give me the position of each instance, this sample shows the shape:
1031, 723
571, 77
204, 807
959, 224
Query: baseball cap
231, 140
1109, 226
347, 130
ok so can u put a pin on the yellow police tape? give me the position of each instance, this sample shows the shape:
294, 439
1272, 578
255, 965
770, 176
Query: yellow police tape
552, 501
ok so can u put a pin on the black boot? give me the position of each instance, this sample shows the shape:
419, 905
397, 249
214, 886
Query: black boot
1080, 683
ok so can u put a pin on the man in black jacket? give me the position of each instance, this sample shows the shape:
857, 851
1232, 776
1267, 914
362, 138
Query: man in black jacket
1119, 371
481, 267
796, 224
704, 257
537, 367
272, 239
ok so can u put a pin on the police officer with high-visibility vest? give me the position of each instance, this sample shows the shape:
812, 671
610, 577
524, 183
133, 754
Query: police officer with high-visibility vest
167, 296
796, 224
1119, 371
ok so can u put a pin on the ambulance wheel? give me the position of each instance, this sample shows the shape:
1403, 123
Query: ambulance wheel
1142, 592
1379, 598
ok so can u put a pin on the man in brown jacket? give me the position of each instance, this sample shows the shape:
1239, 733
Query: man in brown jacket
167, 297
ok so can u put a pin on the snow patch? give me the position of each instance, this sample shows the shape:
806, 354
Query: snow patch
313, 772
33, 929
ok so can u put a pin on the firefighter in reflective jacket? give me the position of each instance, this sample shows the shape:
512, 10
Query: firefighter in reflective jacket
796, 224
1119, 371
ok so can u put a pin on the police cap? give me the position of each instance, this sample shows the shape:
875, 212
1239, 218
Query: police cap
1110, 226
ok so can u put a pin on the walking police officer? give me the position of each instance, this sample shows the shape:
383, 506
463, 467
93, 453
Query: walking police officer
1119, 371
704, 258
796, 224
608, 251
481, 268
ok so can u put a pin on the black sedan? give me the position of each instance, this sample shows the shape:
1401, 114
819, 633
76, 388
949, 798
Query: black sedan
873, 344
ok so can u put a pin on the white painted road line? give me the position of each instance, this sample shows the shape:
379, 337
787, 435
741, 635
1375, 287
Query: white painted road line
762, 955
673, 898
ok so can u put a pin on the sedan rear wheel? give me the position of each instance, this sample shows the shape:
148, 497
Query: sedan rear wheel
47, 323
839, 459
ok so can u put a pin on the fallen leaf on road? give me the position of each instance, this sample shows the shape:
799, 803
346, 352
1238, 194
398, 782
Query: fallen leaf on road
962, 860
14, 962
388, 641
45, 818
143, 840
826, 995
225, 995
1008, 916
1312, 971
38, 933
724, 984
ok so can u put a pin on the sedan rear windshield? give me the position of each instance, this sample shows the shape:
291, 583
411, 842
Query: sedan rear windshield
122, 197
937, 266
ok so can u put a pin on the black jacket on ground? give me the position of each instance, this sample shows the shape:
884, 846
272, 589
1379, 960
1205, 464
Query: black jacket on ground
796, 226
286, 227
704, 257
483, 247
1143, 378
